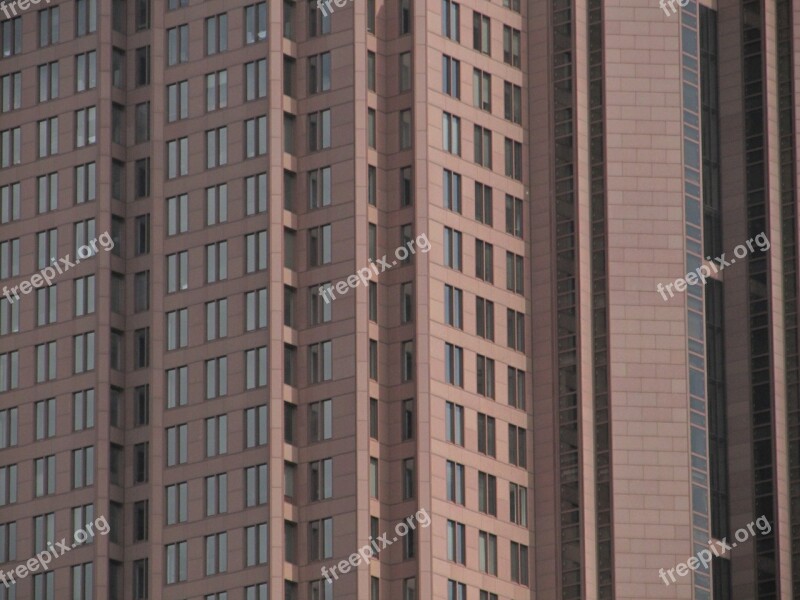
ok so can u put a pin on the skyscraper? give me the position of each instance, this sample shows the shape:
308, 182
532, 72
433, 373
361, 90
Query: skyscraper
379, 261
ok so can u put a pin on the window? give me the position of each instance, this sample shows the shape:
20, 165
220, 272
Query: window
374, 481
289, 422
255, 421
319, 21
177, 562
517, 453
9, 423
454, 364
450, 20
255, 367
319, 73
46, 306
372, 241
48, 136
216, 262
451, 188
141, 176
45, 411
319, 187
216, 90
255, 23
372, 185
43, 586
486, 435
142, 14
484, 261
177, 387
140, 520
10, 197
481, 33
44, 475
319, 245
256, 544
177, 445
483, 146
216, 147
512, 102
289, 10
141, 125
371, 16
177, 329
142, 66
10, 145
85, 127
405, 129
373, 418
177, 45
407, 361
12, 36
84, 232
511, 46
216, 377
256, 485
141, 348
216, 34
140, 578
177, 498
141, 291
216, 554
513, 159
485, 376
516, 330
456, 542
487, 493
513, 5
216, 436
513, 216
373, 360
371, 70
178, 214
177, 157
83, 351
320, 362
9, 258
255, 77
9, 315
255, 130
174, 4
48, 85
518, 504
49, 26
455, 482
515, 273
320, 479
256, 251
141, 405
451, 133
178, 101
451, 76
519, 563
454, 423
256, 309
140, 462
8, 484
118, 68
118, 125
320, 420
257, 592
456, 590
405, 71
452, 248
216, 494
373, 301
487, 552
405, 18
45, 362
482, 90
453, 306
320, 539
320, 307
8, 542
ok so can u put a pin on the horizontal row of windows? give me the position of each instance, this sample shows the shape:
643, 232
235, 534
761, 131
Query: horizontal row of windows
487, 438
482, 32
482, 143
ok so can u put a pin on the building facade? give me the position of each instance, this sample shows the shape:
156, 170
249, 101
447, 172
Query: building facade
255, 381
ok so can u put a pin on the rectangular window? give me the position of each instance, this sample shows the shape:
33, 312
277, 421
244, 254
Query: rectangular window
45, 414
141, 462
255, 420
255, 130
118, 69
454, 364
256, 251
142, 14
481, 33
512, 102
451, 76
452, 248
374, 480
487, 553
320, 539
451, 187
177, 386
320, 362
83, 351
256, 545
216, 147
48, 136
319, 187
511, 46
518, 504
177, 445
12, 36
48, 75
141, 124
216, 377
177, 101
45, 362
514, 216
371, 76
456, 590
456, 542
9, 427
216, 90
517, 447
450, 21
216, 436
255, 76
177, 499
483, 146
487, 493
454, 423
486, 435
177, 329
319, 130
177, 157
85, 17
85, 126
216, 554
319, 73
178, 214
519, 563
453, 306
216, 34
406, 71
451, 133
44, 476
10, 146
177, 45
10, 197
484, 261
319, 245
216, 494
513, 159
455, 482
255, 23
255, 368
176, 562
515, 273
320, 479
320, 420
46, 306
482, 90
8, 484
256, 485
485, 376
515, 330
49, 26
142, 66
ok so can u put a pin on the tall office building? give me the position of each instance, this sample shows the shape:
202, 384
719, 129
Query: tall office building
244, 412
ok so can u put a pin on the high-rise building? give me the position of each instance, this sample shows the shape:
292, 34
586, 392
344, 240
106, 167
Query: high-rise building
278, 277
